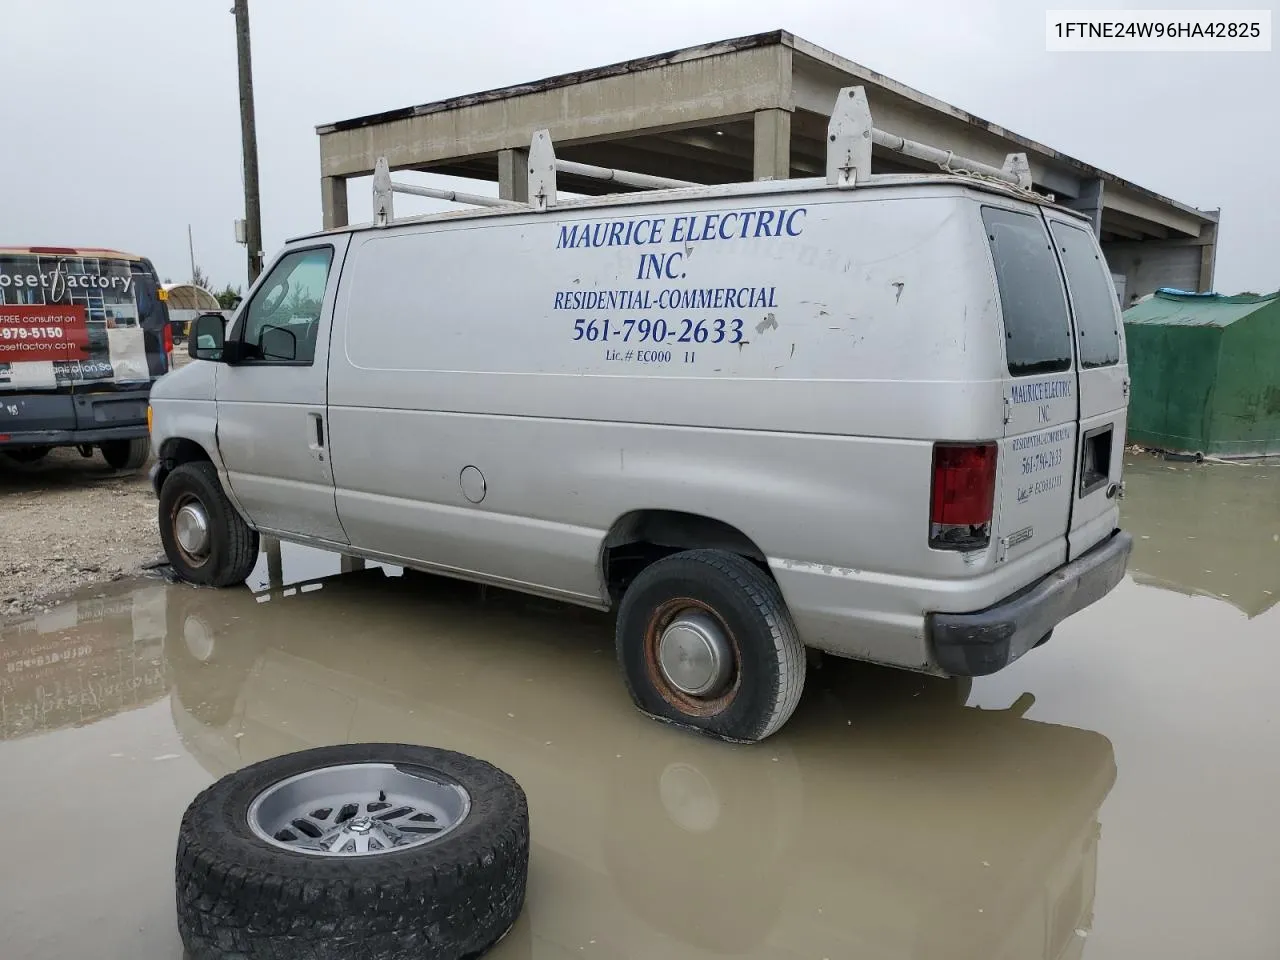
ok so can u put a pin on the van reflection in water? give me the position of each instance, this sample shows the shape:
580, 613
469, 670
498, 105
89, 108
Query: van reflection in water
888, 819
82, 661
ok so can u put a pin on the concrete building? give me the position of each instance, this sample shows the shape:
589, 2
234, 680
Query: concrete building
754, 107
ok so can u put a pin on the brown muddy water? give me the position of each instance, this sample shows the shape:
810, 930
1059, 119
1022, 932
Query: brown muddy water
1112, 795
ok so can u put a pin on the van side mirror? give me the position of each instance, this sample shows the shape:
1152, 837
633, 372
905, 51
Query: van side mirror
277, 343
208, 336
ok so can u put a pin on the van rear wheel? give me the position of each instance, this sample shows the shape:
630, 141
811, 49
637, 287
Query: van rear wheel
204, 538
126, 454
704, 640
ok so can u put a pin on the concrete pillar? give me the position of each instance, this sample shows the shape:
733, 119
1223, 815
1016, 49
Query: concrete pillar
513, 175
772, 158
1208, 253
1089, 202
333, 201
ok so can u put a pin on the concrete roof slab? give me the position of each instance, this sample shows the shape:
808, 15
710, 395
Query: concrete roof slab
633, 103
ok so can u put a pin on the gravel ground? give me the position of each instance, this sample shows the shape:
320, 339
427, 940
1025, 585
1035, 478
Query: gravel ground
67, 521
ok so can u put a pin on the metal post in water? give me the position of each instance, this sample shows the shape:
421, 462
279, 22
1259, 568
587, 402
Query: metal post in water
275, 566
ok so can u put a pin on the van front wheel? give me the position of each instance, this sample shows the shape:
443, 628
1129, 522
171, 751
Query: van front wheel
204, 538
705, 640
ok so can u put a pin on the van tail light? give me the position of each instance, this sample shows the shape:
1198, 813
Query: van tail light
963, 496
168, 347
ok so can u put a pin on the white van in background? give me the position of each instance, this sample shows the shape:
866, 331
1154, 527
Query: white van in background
877, 416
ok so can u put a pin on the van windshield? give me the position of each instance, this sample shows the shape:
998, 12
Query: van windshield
1092, 296
1036, 326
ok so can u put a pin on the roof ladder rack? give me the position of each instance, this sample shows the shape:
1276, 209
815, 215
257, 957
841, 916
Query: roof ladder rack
543, 167
851, 134
384, 190
850, 137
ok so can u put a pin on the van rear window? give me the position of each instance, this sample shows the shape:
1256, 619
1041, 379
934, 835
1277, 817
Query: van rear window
1037, 331
1092, 295
69, 319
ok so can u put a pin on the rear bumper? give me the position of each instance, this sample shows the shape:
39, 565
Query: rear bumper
70, 438
72, 417
977, 644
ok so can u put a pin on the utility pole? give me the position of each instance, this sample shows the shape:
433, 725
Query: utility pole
249, 143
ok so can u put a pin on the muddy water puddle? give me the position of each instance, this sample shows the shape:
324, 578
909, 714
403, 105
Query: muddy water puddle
1110, 795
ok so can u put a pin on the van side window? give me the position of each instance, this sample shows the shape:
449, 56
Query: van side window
1093, 298
1037, 329
283, 318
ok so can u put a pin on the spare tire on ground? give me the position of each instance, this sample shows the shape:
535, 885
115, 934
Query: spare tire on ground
356, 852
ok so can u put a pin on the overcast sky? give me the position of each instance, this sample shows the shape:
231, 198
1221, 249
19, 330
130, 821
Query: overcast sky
119, 122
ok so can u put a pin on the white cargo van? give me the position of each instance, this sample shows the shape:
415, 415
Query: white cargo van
877, 416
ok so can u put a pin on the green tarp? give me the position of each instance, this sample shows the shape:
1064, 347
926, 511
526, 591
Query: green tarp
1205, 373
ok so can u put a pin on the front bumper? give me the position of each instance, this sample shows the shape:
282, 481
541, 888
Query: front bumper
977, 644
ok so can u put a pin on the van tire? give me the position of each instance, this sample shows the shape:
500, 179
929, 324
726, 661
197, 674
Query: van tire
126, 454
767, 672
239, 896
233, 547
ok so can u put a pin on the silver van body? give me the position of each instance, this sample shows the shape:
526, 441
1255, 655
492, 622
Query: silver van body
780, 370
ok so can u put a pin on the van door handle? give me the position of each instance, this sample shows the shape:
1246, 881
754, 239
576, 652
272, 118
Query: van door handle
318, 421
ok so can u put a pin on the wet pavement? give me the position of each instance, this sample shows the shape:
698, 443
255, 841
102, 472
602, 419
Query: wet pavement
1111, 795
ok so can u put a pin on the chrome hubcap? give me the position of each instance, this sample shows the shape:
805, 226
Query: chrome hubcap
191, 529
694, 654
358, 809
361, 835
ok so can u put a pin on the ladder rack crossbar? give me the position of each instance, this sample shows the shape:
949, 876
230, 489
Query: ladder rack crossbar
642, 181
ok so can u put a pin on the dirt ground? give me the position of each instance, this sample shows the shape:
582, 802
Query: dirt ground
67, 521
